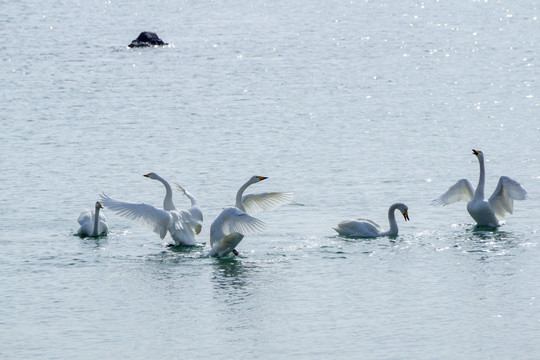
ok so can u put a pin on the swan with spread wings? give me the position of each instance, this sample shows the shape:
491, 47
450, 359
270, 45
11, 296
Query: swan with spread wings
230, 227
484, 212
181, 224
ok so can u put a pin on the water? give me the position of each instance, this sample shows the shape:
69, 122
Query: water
350, 105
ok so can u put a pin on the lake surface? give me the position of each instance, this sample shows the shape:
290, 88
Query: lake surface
350, 105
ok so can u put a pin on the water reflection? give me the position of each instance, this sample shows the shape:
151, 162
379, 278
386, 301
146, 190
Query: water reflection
489, 234
97, 245
235, 295
189, 251
371, 246
487, 242
94, 243
231, 273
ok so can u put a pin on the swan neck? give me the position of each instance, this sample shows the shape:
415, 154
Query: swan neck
392, 221
239, 194
479, 193
167, 201
96, 222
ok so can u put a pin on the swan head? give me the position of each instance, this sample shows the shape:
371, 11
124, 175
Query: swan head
98, 205
478, 153
151, 175
404, 210
256, 179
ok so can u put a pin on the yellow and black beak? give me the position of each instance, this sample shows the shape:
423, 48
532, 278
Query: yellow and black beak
406, 215
99, 205
262, 177
475, 152
147, 175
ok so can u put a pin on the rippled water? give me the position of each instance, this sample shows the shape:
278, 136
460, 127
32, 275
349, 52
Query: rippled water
350, 105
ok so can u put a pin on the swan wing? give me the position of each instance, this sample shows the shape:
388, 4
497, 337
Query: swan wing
86, 216
185, 192
370, 222
103, 227
178, 187
102, 217
502, 199
460, 191
233, 220
196, 213
86, 228
196, 220
186, 219
145, 214
255, 203
240, 222
180, 218
358, 227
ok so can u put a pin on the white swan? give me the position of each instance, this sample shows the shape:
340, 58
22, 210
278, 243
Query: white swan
194, 210
368, 228
179, 223
229, 228
93, 223
484, 212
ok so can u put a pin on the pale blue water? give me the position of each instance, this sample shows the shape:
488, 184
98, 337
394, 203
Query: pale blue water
351, 105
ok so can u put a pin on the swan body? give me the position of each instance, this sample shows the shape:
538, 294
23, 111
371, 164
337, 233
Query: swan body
368, 228
93, 223
230, 227
485, 213
179, 223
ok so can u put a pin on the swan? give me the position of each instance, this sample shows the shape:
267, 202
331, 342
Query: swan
194, 210
179, 223
93, 223
368, 228
229, 228
484, 212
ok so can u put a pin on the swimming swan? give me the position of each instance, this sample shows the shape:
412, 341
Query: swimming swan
229, 228
93, 223
484, 212
179, 223
368, 228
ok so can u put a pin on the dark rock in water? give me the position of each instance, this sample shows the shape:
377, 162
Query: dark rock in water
147, 39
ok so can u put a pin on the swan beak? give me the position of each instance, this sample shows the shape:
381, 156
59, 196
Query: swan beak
147, 175
475, 152
262, 177
406, 215
100, 206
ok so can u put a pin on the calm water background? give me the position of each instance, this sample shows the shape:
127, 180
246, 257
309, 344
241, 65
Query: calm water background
352, 105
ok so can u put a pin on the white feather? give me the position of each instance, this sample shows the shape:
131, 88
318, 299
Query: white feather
147, 215
255, 203
460, 191
502, 199
233, 220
